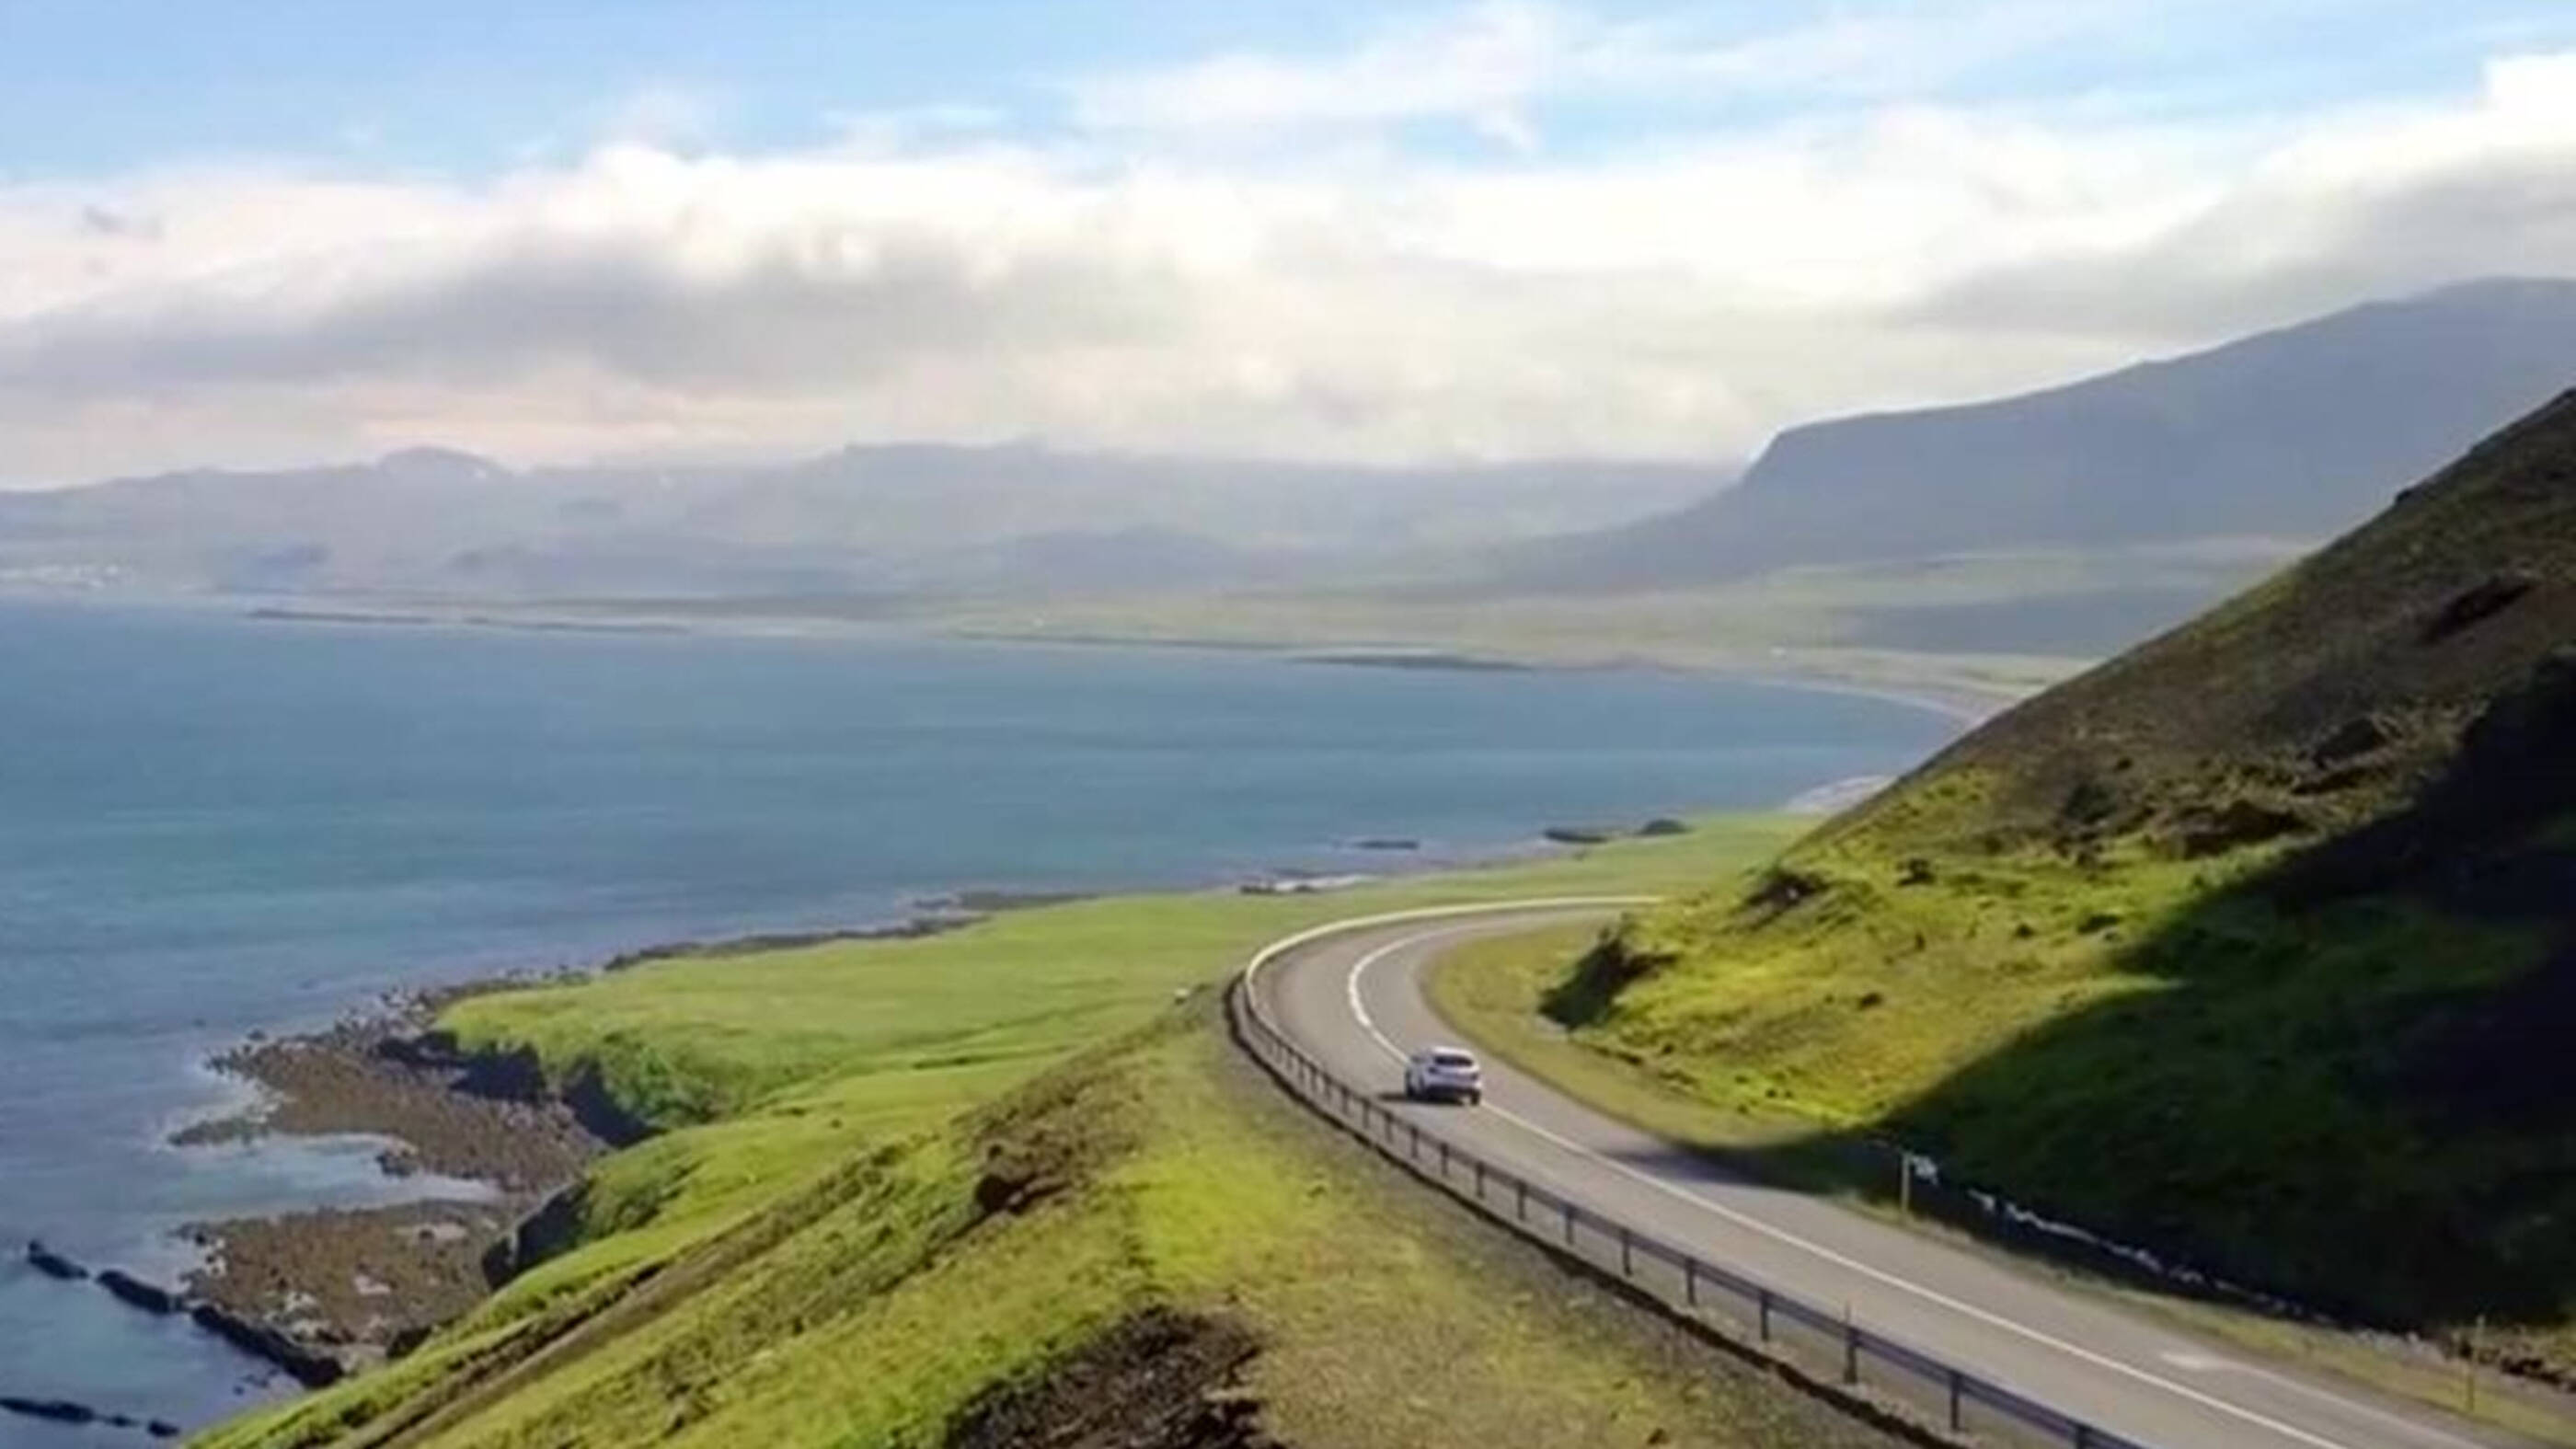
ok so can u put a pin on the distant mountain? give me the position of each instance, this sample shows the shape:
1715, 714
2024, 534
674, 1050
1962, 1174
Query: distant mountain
2296, 434
873, 520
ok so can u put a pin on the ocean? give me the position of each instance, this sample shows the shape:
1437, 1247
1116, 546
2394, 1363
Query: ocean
211, 825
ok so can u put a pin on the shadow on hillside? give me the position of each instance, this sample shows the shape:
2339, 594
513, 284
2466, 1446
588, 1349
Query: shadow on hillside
2355, 1088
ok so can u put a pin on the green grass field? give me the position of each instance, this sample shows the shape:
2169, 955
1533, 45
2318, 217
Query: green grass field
813, 1251
1496, 993
2251, 947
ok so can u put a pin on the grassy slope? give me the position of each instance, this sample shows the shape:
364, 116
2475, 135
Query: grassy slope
802, 1258
2153, 952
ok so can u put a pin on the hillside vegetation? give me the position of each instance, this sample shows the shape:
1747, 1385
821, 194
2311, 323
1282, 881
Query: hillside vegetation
1001, 1187
2255, 946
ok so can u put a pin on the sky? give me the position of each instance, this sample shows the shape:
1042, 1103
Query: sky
251, 234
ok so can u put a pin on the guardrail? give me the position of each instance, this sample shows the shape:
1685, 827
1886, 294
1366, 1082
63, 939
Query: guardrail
1829, 1346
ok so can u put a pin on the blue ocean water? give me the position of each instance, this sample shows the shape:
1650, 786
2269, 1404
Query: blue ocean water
210, 825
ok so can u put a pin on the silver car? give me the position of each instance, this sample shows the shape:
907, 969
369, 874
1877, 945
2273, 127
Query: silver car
1444, 1074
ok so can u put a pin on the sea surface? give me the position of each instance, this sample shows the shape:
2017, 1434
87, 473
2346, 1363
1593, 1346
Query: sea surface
211, 825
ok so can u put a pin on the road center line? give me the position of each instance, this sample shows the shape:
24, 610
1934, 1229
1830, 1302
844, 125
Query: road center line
1359, 1009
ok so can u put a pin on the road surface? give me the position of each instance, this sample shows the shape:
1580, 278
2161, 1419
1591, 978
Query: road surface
1352, 998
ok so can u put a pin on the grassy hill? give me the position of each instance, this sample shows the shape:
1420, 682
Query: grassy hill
1010, 1186
2255, 946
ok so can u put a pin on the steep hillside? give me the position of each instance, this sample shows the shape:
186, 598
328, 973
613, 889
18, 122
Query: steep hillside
2298, 433
2256, 946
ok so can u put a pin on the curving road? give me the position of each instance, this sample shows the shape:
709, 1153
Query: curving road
1352, 997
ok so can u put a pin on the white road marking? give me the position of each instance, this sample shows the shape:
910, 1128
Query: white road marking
1934, 1296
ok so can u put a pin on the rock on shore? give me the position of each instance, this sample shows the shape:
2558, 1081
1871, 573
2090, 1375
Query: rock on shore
321, 1292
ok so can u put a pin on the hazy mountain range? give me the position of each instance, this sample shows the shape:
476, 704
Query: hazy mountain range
894, 519
2092, 513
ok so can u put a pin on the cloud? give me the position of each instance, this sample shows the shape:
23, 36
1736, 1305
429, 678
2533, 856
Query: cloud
1478, 65
2383, 202
1678, 293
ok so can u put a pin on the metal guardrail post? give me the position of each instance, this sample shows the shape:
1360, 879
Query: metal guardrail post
1360, 1112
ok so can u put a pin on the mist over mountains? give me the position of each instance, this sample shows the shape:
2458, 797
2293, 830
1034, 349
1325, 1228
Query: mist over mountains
2065, 523
926, 518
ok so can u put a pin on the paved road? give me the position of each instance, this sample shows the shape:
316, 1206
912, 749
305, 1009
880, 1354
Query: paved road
1353, 1000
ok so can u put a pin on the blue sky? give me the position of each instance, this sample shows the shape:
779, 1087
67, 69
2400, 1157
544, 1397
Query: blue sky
466, 86
265, 232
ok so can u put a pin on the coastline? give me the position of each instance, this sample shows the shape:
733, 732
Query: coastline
318, 1292
360, 1093
1951, 690
321, 1292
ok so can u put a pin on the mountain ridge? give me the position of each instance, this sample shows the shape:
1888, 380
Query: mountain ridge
2298, 431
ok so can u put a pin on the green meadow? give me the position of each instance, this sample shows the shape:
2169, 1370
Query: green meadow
895, 1179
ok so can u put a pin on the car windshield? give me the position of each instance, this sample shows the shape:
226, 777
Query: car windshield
1452, 1059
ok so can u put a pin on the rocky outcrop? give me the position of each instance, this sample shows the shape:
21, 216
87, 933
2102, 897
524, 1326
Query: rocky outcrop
150, 1297
71, 1411
54, 1265
307, 1366
552, 1229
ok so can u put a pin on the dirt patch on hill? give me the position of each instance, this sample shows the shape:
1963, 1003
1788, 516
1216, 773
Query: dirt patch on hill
1158, 1379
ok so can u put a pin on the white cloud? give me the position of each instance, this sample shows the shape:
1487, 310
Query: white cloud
1681, 295
1479, 65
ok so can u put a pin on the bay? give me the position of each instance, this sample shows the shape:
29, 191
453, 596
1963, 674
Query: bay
211, 825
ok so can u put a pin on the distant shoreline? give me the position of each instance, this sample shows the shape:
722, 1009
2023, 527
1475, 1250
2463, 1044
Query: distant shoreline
1962, 701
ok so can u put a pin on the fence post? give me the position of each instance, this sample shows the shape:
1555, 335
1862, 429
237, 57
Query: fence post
1444, 1162
1569, 1225
1957, 1423
1690, 1280
2083, 1436
1762, 1313
1627, 1255
1520, 1200
1851, 1353
1414, 1151
1480, 1179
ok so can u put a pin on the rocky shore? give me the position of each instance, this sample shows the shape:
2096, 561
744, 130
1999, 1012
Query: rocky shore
331, 1290
327, 1291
